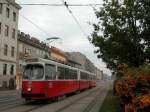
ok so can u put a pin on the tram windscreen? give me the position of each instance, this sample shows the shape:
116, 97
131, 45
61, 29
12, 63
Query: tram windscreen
33, 72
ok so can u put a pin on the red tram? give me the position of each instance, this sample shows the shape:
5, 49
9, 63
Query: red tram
44, 79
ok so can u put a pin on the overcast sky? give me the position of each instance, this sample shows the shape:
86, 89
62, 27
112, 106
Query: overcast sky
58, 22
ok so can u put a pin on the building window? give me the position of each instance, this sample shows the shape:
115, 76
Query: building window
4, 69
13, 33
12, 70
6, 30
27, 51
0, 27
4, 84
14, 16
1, 8
12, 51
5, 49
20, 48
7, 12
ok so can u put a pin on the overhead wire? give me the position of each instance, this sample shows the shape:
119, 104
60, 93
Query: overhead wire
75, 19
46, 4
67, 7
38, 27
64, 3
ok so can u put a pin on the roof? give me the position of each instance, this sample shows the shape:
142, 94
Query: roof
32, 41
57, 51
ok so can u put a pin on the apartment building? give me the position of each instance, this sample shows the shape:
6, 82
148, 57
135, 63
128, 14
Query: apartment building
30, 47
57, 55
9, 11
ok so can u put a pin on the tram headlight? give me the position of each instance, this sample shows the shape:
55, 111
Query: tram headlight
29, 89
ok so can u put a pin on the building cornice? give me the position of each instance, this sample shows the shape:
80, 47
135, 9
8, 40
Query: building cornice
10, 61
14, 4
28, 40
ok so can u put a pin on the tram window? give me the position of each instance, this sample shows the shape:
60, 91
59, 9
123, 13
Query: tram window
37, 72
67, 74
83, 75
61, 73
88, 77
73, 74
33, 72
50, 72
27, 72
94, 77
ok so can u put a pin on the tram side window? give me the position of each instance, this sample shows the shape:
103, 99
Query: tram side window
61, 73
50, 72
94, 77
83, 75
66, 74
88, 77
73, 74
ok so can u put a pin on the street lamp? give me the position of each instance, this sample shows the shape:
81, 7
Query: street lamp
52, 39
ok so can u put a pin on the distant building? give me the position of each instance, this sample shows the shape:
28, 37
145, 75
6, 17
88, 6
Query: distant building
99, 74
71, 61
8, 42
57, 55
82, 61
28, 47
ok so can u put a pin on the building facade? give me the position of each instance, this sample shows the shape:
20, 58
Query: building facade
82, 62
9, 11
99, 74
71, 60
57, 55
30, 47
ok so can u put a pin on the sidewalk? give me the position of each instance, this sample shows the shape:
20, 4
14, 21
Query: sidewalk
9, 91
110, 103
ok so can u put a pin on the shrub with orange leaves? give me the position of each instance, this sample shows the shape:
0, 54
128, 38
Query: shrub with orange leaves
133, 88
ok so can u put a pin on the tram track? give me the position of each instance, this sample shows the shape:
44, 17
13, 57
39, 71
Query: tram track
10, 105
9, 99
20, 104
76, 100
62, 108
14, 92
92, 103
35, 108
33, 105
9, 96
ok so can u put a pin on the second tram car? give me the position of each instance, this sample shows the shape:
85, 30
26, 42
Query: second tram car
44, 79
